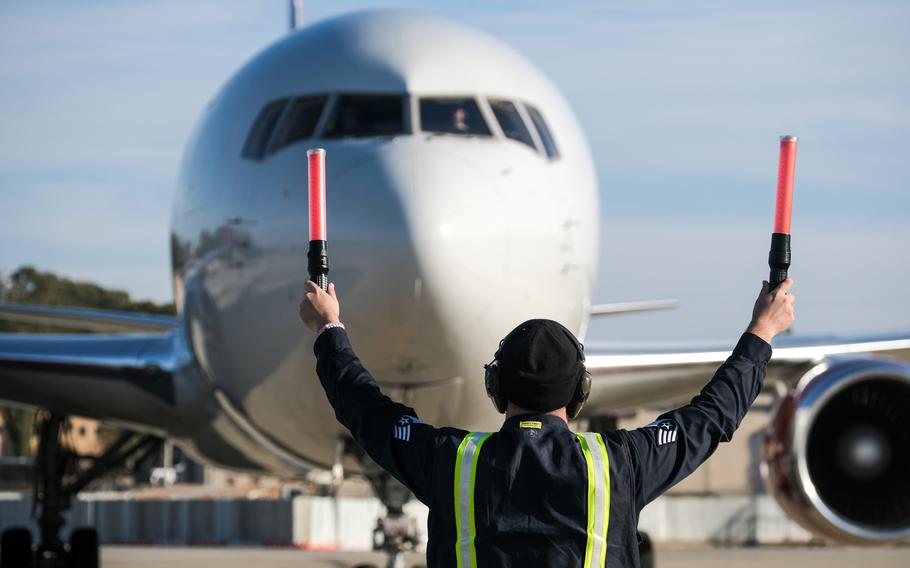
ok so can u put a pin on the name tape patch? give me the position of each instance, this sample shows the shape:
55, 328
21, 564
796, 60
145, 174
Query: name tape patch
530, 424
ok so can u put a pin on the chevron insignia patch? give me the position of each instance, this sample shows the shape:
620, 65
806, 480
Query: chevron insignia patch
666, 431
403, 427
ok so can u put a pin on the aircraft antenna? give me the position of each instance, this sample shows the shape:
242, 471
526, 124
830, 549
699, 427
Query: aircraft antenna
296, 14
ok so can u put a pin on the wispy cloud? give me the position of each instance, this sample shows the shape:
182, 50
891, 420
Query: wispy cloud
682, 103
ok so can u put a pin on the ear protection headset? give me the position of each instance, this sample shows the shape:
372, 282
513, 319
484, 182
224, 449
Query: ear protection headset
493, 381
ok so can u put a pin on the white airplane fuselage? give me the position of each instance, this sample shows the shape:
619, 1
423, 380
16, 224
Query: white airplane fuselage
438, 244
462, 200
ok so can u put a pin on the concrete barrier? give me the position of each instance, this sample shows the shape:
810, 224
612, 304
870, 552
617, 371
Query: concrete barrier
726, 520
313, 522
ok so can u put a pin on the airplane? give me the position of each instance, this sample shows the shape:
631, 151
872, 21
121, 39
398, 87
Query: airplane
461, 194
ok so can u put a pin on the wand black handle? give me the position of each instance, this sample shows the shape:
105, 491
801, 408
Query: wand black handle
318, 264
778, 259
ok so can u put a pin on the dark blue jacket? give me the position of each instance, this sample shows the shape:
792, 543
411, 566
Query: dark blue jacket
531, 483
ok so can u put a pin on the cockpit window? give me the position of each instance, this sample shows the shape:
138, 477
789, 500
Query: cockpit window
366, 115
299, 121
510, 121
258, 138
549, 144
452, 116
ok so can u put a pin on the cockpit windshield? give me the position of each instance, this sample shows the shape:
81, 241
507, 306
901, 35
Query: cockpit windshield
299, 121
510, 120
366, 115
452, 115
257, 140
284, 122
543, 131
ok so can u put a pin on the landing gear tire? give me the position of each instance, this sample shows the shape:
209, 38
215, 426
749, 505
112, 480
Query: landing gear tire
83, 549
646, 551
16, 548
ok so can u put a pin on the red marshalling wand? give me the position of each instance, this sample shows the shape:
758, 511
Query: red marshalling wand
779, 256
317, 255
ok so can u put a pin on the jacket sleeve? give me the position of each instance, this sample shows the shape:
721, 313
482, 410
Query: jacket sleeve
673, 446
390, 433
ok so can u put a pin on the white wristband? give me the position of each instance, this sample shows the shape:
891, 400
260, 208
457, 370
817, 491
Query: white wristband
329, 326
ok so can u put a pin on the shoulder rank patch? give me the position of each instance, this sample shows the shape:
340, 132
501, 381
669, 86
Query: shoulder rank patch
403, 427
667, 431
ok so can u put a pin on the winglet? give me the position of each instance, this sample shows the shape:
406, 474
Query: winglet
630, 307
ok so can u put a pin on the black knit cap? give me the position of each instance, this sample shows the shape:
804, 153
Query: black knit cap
540, 364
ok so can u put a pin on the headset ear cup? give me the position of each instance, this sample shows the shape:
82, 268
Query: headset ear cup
582, 392
491, 381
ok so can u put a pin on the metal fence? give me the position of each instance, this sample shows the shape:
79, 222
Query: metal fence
347, 522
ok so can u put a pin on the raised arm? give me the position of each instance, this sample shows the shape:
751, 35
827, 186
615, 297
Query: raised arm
673, 446
391, 433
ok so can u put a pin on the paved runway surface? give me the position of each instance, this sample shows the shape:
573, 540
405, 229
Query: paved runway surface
765, 557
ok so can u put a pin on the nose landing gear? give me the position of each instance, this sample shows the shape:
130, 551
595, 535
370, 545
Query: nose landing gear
396, 533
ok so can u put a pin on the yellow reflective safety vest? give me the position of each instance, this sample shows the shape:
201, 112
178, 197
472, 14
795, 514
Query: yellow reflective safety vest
596, 497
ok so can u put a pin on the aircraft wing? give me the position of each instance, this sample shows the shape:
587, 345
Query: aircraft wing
127, 378
627, 377
111, 321
144, 382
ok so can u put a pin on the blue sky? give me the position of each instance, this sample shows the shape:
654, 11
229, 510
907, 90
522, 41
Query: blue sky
682, 103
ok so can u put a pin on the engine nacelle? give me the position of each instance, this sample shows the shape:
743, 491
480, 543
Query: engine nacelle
838, 451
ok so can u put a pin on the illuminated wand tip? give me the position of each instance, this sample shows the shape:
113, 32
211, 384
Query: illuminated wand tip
316, 167
785, 172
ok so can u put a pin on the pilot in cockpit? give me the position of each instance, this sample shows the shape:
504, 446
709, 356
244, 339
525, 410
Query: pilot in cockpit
459, 119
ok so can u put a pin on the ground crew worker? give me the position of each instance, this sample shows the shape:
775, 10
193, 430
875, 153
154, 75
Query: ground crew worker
535, 493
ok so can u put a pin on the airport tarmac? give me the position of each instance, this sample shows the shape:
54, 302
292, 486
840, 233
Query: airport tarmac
763, 557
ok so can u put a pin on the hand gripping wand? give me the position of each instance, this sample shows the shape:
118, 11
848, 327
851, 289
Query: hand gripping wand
779, 256
317, 255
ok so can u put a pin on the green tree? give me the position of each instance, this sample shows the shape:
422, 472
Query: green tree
28, 285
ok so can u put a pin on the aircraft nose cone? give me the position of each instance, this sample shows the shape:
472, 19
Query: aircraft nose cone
418, 248
420, 254
458, 221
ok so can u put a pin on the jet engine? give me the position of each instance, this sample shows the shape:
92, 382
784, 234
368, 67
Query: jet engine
838, 451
